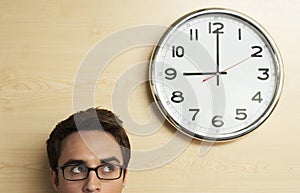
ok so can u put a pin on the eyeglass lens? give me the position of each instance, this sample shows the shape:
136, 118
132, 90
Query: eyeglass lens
105, 172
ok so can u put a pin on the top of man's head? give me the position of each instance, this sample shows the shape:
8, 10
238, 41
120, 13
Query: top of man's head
91, 119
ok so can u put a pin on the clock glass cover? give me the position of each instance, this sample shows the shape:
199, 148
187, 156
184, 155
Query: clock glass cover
216, 74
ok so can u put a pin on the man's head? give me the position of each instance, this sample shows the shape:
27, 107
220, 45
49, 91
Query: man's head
89, 152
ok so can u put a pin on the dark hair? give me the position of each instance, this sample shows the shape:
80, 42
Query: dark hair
91, 119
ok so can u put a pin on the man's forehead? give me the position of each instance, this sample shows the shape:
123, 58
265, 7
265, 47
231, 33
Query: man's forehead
90, 145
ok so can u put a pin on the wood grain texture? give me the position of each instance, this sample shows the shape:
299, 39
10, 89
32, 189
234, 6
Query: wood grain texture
42, 44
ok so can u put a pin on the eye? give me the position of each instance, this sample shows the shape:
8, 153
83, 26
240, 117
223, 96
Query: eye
78, 169
108, 168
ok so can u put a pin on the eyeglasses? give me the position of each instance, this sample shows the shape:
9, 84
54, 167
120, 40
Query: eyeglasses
81, 172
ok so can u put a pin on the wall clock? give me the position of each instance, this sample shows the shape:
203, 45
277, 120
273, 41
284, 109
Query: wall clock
216, 74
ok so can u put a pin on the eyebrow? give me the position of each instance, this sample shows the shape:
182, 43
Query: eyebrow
74, 162
82, 162
110, 159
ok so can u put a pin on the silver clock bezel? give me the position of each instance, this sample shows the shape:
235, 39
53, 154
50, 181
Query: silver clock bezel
262, 32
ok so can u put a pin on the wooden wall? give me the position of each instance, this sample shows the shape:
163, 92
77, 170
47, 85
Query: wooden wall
42, 44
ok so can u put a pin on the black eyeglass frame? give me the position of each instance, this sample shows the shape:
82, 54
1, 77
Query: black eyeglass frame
89, 170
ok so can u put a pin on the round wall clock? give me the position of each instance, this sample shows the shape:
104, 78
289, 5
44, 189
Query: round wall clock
216, 74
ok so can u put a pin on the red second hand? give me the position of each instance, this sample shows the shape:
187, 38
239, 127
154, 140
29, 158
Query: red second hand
227, 68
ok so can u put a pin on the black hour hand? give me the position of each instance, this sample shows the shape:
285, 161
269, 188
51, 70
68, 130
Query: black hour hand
202, 73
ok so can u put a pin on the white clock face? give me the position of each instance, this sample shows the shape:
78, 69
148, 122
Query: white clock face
216, 74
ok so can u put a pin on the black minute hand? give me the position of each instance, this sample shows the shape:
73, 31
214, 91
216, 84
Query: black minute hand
218, 59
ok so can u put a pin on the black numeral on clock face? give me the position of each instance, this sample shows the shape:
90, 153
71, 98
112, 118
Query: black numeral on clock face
257, 97
265, 74
215, 27
177, 51
177, 97
258, 50
217, 121
240, 34
196, 111
241, 114
194, 34
170, 73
